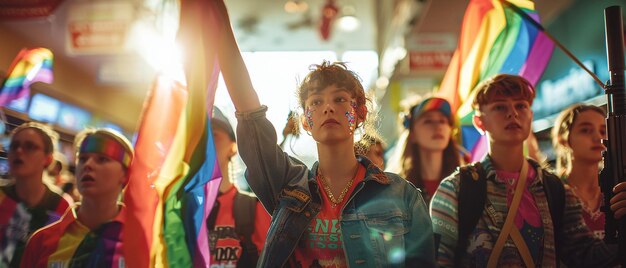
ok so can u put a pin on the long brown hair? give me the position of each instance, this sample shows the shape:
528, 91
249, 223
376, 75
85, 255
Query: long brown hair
411, 159
411, 162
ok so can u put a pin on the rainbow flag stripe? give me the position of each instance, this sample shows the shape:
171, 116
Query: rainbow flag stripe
29, 66
104, 145
174, 178
68, 243
494, 39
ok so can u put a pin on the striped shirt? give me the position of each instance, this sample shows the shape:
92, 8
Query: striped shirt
579, 246
18, 222
68, 243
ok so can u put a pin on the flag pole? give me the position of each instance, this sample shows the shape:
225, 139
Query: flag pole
554, 40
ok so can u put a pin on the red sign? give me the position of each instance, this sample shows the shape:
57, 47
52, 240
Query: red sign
26, 9
429, 60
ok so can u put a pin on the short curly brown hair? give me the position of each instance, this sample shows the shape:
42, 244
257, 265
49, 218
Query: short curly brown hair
506, 85
328, 74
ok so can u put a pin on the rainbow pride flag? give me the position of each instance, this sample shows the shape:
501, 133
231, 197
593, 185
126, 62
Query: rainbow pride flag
494, 39
29, 66
174, 179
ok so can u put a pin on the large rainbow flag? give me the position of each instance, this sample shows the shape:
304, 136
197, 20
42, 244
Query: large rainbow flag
29, 66
175, 177
495, 38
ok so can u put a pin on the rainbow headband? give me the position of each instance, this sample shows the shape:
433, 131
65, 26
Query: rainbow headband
107, 146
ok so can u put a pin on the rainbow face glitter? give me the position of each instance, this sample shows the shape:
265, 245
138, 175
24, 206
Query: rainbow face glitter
351, 115
308, 114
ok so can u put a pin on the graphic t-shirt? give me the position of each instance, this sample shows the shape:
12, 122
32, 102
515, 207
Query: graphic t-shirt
224, 241
321, 244
594, 218
69, 243
528, 218
18, 222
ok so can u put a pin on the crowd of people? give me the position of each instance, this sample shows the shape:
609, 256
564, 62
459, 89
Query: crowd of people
436, 207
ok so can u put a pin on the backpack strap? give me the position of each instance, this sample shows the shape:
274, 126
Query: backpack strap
244, 211
555, 194
471, 203
473, 194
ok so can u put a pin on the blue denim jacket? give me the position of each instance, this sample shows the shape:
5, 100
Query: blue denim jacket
382, 204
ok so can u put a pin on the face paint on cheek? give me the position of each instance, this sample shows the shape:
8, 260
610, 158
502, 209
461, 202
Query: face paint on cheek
351, 115
308, 114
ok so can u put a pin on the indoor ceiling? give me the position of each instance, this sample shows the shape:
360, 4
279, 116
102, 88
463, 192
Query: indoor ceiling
260, 25
266, 26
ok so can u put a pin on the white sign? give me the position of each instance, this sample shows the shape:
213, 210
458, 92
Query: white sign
98, 27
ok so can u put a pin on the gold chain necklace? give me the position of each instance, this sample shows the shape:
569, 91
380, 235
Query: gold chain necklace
333, 200
585, 203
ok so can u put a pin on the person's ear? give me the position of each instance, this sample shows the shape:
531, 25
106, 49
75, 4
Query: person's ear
48, 160
305, 123
362, 113
478, 123
233, 150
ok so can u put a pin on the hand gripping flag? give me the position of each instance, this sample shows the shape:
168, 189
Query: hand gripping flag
175, 176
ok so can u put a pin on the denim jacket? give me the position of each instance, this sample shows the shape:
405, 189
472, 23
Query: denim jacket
382, 204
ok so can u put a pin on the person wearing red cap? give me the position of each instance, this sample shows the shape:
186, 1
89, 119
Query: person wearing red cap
430, 153
88, 235
28, 203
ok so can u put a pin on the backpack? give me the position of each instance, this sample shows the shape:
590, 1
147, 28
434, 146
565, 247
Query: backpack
473, 194
244, 211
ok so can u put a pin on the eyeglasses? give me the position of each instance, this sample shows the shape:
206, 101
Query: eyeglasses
27, 147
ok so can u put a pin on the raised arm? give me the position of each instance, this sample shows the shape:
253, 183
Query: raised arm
233, 68
269, 169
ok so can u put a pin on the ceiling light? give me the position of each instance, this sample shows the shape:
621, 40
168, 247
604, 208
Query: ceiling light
348, 22
295, 6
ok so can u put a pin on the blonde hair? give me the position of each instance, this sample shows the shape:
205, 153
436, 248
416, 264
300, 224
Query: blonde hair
363, 146
560, 135
48, 135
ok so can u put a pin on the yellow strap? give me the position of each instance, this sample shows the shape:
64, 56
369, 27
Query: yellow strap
522, 247
510, 217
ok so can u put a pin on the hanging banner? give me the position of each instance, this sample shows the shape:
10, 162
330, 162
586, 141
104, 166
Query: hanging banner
430, 51
98, 27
